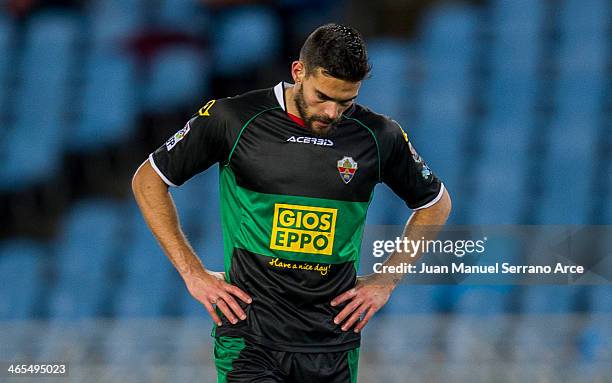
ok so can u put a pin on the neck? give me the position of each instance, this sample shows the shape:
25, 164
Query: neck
290, 101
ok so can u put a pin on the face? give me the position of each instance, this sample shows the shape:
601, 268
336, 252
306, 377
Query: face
321, 99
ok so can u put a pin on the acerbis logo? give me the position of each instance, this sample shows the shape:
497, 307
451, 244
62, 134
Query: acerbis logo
303, 229
311, 140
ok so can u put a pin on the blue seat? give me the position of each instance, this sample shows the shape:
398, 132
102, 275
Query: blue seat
511, 98
173, 13
515, 52
469, 337
30, 158
522, 16
506, 137
86, 252
583, 53
51, 37
416, 299
22, 266
500, 192
41, 100
607, 214
441, 146
387, 90
449, 32
600, 298
110, 103
548, 299
179, 77
387, 208
541, 337
113, 22
501, 174
149, 279
480, 320
442, 108
595, 341
78, 300
90, 239
6, 55
447, 48
581, 97
481, 300
590, 15
568, 168
245, 37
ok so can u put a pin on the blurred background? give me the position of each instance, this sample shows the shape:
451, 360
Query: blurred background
509, 101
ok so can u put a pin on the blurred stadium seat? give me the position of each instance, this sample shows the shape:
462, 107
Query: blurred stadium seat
518, 16
109, 106
36, 136
178, 77
6, 55
113, 22
85, 259
256, 41
387, 91
148, 289
447, 60
580, 16
185, 15
22, 266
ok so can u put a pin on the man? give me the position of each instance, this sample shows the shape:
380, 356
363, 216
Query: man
298, 165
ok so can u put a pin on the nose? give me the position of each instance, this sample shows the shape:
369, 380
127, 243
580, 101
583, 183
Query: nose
332, 110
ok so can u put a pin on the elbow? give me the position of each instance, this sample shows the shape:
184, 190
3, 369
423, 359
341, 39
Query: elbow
145, 178
139, 178
136, 180
446, 204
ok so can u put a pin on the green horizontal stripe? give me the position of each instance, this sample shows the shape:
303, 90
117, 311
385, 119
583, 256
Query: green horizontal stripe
249, 218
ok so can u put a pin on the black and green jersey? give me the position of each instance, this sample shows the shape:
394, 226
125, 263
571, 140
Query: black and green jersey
293, 207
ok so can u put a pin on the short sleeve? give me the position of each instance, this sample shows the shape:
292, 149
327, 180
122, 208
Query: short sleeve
201, 143
406, 173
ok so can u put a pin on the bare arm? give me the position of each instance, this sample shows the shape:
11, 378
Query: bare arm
157, 207
372, 291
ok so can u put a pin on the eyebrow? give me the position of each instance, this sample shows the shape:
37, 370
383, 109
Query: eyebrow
326, 97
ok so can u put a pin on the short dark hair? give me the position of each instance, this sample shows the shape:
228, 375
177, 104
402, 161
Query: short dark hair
338, 50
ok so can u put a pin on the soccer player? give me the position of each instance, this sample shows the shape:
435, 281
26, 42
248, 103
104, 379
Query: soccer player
298, 165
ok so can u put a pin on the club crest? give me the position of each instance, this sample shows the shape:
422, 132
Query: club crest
347, 168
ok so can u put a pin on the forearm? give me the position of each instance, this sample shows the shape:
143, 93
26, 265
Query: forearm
160, 214
422, 225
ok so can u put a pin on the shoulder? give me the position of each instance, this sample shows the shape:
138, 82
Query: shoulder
231, 113
242, 106
385, 129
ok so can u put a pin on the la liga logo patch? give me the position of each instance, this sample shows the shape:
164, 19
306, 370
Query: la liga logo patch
172, 141
347, 167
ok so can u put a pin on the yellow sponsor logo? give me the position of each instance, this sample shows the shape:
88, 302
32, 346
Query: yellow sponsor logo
303, 229
204, 111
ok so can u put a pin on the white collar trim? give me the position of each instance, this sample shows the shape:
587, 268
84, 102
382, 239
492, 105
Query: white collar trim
279, 92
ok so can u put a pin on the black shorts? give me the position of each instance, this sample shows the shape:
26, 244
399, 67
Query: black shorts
239, 361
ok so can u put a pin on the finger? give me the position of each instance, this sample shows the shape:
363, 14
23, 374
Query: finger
354, 317
234, 306
235, 290
371, 311
226, 311
213, 314
347, 310
344, 297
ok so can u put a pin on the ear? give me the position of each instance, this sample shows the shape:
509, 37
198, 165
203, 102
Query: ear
298, 71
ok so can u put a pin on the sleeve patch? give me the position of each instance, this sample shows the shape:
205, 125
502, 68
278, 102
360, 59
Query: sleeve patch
425, 171
177, 137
